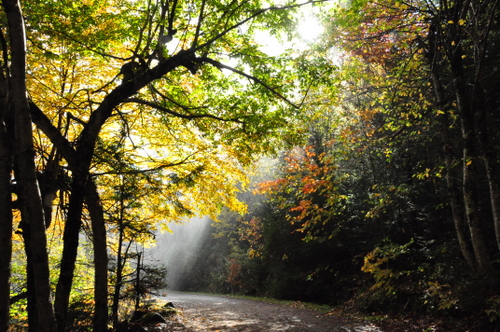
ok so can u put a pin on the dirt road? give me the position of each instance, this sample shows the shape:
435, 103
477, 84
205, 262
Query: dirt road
220, 313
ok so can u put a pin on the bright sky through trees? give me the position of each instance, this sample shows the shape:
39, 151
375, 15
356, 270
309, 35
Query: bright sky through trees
309, 28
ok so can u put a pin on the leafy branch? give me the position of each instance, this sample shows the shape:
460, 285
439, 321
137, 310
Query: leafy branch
220, 65
177, 114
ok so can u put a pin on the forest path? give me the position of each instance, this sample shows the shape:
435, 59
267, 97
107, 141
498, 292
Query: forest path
220, 313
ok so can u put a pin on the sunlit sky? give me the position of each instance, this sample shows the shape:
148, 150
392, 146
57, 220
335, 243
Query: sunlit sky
309, 30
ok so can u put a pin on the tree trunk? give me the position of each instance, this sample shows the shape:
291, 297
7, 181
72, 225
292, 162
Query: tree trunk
468, 112
494, 195
30, 279
5, 218
470, 163
472, 214
453, 187
32, 211
119, 279
487, 154
70, 247
138, 282
100, 257
455, 201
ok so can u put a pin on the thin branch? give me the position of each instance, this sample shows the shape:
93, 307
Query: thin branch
163, 14
61, 142
147, 170
155, 92
254, 15
147, 26
171, 17
200, 22
85, 46
220, 65
71, 116
177, 114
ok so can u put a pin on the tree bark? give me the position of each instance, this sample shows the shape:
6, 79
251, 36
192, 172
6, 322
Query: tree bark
30, 278
470, 161
25, 171
120, 262
494, 195
5, 213
73, 227
446, 53
486, 97
70, 247
455, 201
138, 282
119, 280
100, 257
453, 187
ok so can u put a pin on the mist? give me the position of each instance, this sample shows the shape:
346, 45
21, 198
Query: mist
179, 250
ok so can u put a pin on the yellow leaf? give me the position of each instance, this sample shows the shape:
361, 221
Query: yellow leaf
450, 22
461, 22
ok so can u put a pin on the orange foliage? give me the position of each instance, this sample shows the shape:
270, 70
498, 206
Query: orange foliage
308, 189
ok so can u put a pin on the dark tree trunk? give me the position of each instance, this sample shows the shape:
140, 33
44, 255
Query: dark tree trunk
470, 164
100, 257
30, 279
70, 247
5, 215
138, 282
119, 279
29, 194
446, 54
453, 185
494, 194
455, 200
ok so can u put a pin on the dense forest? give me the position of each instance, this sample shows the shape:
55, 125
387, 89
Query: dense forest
357, 166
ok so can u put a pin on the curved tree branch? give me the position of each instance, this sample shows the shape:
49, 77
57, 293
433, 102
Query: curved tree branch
220, 65
60, 142
177, 114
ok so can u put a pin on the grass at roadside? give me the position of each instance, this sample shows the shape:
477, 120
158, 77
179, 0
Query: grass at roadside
320, 308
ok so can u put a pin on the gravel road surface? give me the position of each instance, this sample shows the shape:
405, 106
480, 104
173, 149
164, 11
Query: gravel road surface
219, 313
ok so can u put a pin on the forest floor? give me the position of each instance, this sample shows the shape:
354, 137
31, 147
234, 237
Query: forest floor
201, 312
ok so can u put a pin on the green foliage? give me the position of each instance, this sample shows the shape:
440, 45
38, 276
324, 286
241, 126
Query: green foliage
18, 314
